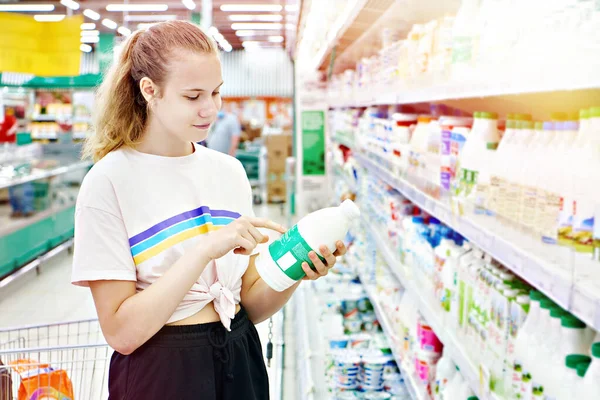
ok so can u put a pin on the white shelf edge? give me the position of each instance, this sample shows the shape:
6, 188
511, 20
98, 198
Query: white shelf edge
530, 267
413, 386
46, 174
453, 91
35, 263
452, 346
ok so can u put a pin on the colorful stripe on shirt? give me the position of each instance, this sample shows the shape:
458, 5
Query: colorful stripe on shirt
176, 229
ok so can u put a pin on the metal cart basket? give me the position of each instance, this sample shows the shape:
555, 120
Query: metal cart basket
254, 160
71, 357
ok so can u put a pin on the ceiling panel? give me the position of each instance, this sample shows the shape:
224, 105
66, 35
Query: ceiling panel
220, 19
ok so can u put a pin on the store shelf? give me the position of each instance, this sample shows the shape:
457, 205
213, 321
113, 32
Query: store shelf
432, 89
310, 351
35, 264
42, 174
415, 390
545, 267
339, 172
9, 225
432, 314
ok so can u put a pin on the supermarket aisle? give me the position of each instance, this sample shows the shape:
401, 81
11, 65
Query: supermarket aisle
50, 297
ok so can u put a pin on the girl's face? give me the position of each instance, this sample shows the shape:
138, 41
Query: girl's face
190, 97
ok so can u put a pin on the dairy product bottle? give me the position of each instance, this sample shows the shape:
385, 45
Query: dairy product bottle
590, 389
475, 159
418, 149
567, 379
546, 353
497, 175
527, 178
447, 152
523, 341
578, 387
465, 38
453, 388
281, 266
444, 373
585, 198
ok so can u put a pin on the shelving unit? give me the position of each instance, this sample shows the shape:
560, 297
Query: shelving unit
415, 390
42, 174
433, 315
544, 266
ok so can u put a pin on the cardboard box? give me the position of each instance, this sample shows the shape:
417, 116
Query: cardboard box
279, 147
276, 191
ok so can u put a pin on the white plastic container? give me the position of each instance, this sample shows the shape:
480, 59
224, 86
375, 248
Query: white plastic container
570, 381
443, 376
281, 266
452, 390
475, 159
590, 389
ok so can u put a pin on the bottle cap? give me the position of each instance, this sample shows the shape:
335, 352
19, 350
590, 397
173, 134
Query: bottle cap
559, 116
557, 312
536, 295
548, 126
572, 360
488, 115
350, 209
424, 119
546, 303
584, 113
538, 125
526, 125
582, 368
596, 350
523, 117
595, 112
572, 322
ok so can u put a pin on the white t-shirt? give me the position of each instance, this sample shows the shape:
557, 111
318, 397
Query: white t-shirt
138, 213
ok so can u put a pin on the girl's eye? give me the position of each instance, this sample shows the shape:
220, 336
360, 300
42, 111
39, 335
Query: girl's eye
216, 93
192, 98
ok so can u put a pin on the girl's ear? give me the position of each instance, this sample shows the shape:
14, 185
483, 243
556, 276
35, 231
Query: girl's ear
148, 89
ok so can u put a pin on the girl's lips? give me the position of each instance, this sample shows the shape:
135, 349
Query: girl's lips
205, 126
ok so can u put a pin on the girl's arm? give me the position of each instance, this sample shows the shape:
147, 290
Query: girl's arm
128, 319
261, 302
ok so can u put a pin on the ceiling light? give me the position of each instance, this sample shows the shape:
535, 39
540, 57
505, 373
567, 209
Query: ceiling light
250, 43
213, 30
251, 25
124, 31
94, 32
88, 26
227, 48
251, 7
218, 36
49, 17
86, 48
73, 5
26, 7
91, 14
137, 7
150, 17
276, 39
250, 18
292, 8
189, 4
243, 33
145, 26
109, 23
90, 39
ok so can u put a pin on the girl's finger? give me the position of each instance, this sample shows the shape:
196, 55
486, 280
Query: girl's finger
310, 274
319, 266
329, 258
340, 248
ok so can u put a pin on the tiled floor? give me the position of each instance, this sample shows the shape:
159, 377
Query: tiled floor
50, 298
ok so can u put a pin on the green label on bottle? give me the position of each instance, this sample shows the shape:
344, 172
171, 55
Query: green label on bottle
289, 252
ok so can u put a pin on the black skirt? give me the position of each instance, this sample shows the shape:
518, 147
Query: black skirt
200, 362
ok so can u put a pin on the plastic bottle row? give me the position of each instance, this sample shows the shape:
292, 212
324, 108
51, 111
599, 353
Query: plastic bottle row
476, 40
484, 304
525, 175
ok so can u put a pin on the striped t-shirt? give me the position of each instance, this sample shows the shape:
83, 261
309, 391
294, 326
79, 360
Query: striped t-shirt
138, 213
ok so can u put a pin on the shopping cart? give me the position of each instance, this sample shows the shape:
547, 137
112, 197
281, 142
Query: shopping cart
64, 357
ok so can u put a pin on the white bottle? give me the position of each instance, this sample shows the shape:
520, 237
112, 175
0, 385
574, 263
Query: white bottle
570, 381
574, 338
590, 389
465, 38
444, 373
475, 160
547, 363
452, 390
281, 266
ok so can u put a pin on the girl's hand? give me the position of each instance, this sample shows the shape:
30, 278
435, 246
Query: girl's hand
322, 269
241, 236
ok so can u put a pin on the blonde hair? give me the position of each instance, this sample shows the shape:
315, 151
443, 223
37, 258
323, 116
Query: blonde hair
121, 110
